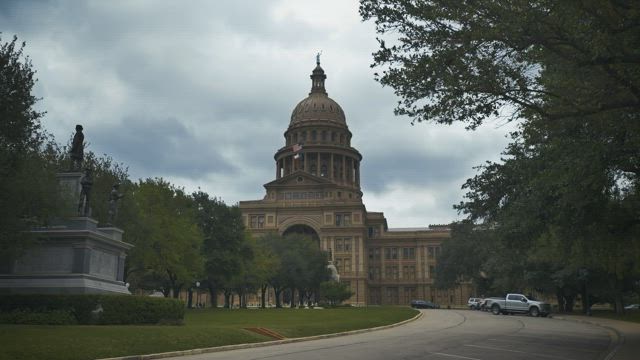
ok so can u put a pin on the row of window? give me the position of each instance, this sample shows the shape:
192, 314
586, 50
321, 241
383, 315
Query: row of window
317, 136
343, 265
342, 244
341, 219
407, 253
393, 272
302, 195
256, 221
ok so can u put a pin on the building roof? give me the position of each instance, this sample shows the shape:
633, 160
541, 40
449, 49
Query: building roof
318, 105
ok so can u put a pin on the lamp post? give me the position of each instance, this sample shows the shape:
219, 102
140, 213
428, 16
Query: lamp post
197, 293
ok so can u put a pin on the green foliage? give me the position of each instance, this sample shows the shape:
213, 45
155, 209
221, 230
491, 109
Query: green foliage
203, 328
335, 292
53, 317
28, 188
464, 61
302, 265
564, 199
166, 237
463, 257
90, 309
225, 248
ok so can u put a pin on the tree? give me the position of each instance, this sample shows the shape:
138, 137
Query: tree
166, 236
464, 257
465, 60
28, 157
301, 266
225, 244
335, 292
564, 197
266, 263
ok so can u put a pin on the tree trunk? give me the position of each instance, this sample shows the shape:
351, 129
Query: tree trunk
263, 296
190, 298
292, 304
214, 296
226, 300
277, 292
618, 300
176, 291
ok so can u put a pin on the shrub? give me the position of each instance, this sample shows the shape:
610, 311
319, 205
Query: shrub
334, 292
55, 317
92, 309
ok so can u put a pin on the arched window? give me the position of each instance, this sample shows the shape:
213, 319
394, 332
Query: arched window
314, 135
324, 136
341, 138
303, 136
333, 136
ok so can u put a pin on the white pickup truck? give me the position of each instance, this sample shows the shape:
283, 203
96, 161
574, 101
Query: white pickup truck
518, 303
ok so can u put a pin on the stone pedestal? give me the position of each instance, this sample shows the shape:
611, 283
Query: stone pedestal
76, 257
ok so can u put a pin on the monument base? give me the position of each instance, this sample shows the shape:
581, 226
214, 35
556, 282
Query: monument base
75, 257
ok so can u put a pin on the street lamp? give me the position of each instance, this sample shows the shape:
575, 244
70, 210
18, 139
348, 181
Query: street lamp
197, 293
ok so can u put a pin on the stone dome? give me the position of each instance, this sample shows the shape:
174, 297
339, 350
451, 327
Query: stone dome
318, 106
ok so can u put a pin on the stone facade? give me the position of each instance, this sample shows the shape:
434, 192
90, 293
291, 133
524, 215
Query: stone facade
316, 191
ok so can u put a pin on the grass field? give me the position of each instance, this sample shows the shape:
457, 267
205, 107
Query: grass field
202, 328
633, 316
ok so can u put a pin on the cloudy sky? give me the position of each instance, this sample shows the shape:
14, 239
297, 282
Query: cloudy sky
200, 93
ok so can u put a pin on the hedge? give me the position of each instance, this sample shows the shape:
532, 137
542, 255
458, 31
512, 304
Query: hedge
89, 309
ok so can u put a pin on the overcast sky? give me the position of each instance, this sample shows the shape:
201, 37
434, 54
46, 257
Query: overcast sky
200, 93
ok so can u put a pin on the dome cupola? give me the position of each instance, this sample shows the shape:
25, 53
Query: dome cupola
318, 106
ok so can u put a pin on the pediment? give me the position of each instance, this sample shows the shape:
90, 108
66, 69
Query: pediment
298, 179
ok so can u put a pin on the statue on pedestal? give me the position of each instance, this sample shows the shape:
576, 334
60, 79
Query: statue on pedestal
86, 182
77, 149
334, 272
114, 196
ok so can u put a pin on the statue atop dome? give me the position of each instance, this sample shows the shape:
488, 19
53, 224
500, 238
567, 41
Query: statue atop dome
318, 57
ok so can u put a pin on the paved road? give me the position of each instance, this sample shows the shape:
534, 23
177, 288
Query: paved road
449, 335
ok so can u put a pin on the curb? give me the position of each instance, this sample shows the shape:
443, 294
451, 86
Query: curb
617, 338
165, 355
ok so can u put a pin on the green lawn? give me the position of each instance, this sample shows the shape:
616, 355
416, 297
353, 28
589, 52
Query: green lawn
633, 316
203, 328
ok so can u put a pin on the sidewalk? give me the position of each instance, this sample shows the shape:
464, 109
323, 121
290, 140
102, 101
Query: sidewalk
627, 344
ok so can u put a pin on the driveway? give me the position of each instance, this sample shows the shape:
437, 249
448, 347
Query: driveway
450, 335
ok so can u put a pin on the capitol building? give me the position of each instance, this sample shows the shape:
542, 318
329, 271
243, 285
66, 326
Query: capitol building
316, 192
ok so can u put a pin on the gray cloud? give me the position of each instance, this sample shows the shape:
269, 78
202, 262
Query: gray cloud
201, 95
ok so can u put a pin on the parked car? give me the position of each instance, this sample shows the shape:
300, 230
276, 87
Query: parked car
518, 303
486, 303
422, 304
632, 307
474, 303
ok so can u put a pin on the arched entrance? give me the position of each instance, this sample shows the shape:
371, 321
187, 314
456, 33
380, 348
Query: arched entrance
304, 230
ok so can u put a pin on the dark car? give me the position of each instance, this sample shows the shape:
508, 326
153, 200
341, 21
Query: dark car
421, 304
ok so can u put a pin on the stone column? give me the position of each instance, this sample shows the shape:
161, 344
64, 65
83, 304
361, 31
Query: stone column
305, 163
344, 169
332, 175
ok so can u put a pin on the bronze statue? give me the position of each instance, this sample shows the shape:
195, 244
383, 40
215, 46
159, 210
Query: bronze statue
114, 196
85, 193
77, 149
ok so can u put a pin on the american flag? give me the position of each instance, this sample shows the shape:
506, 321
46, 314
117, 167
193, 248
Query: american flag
297, 147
